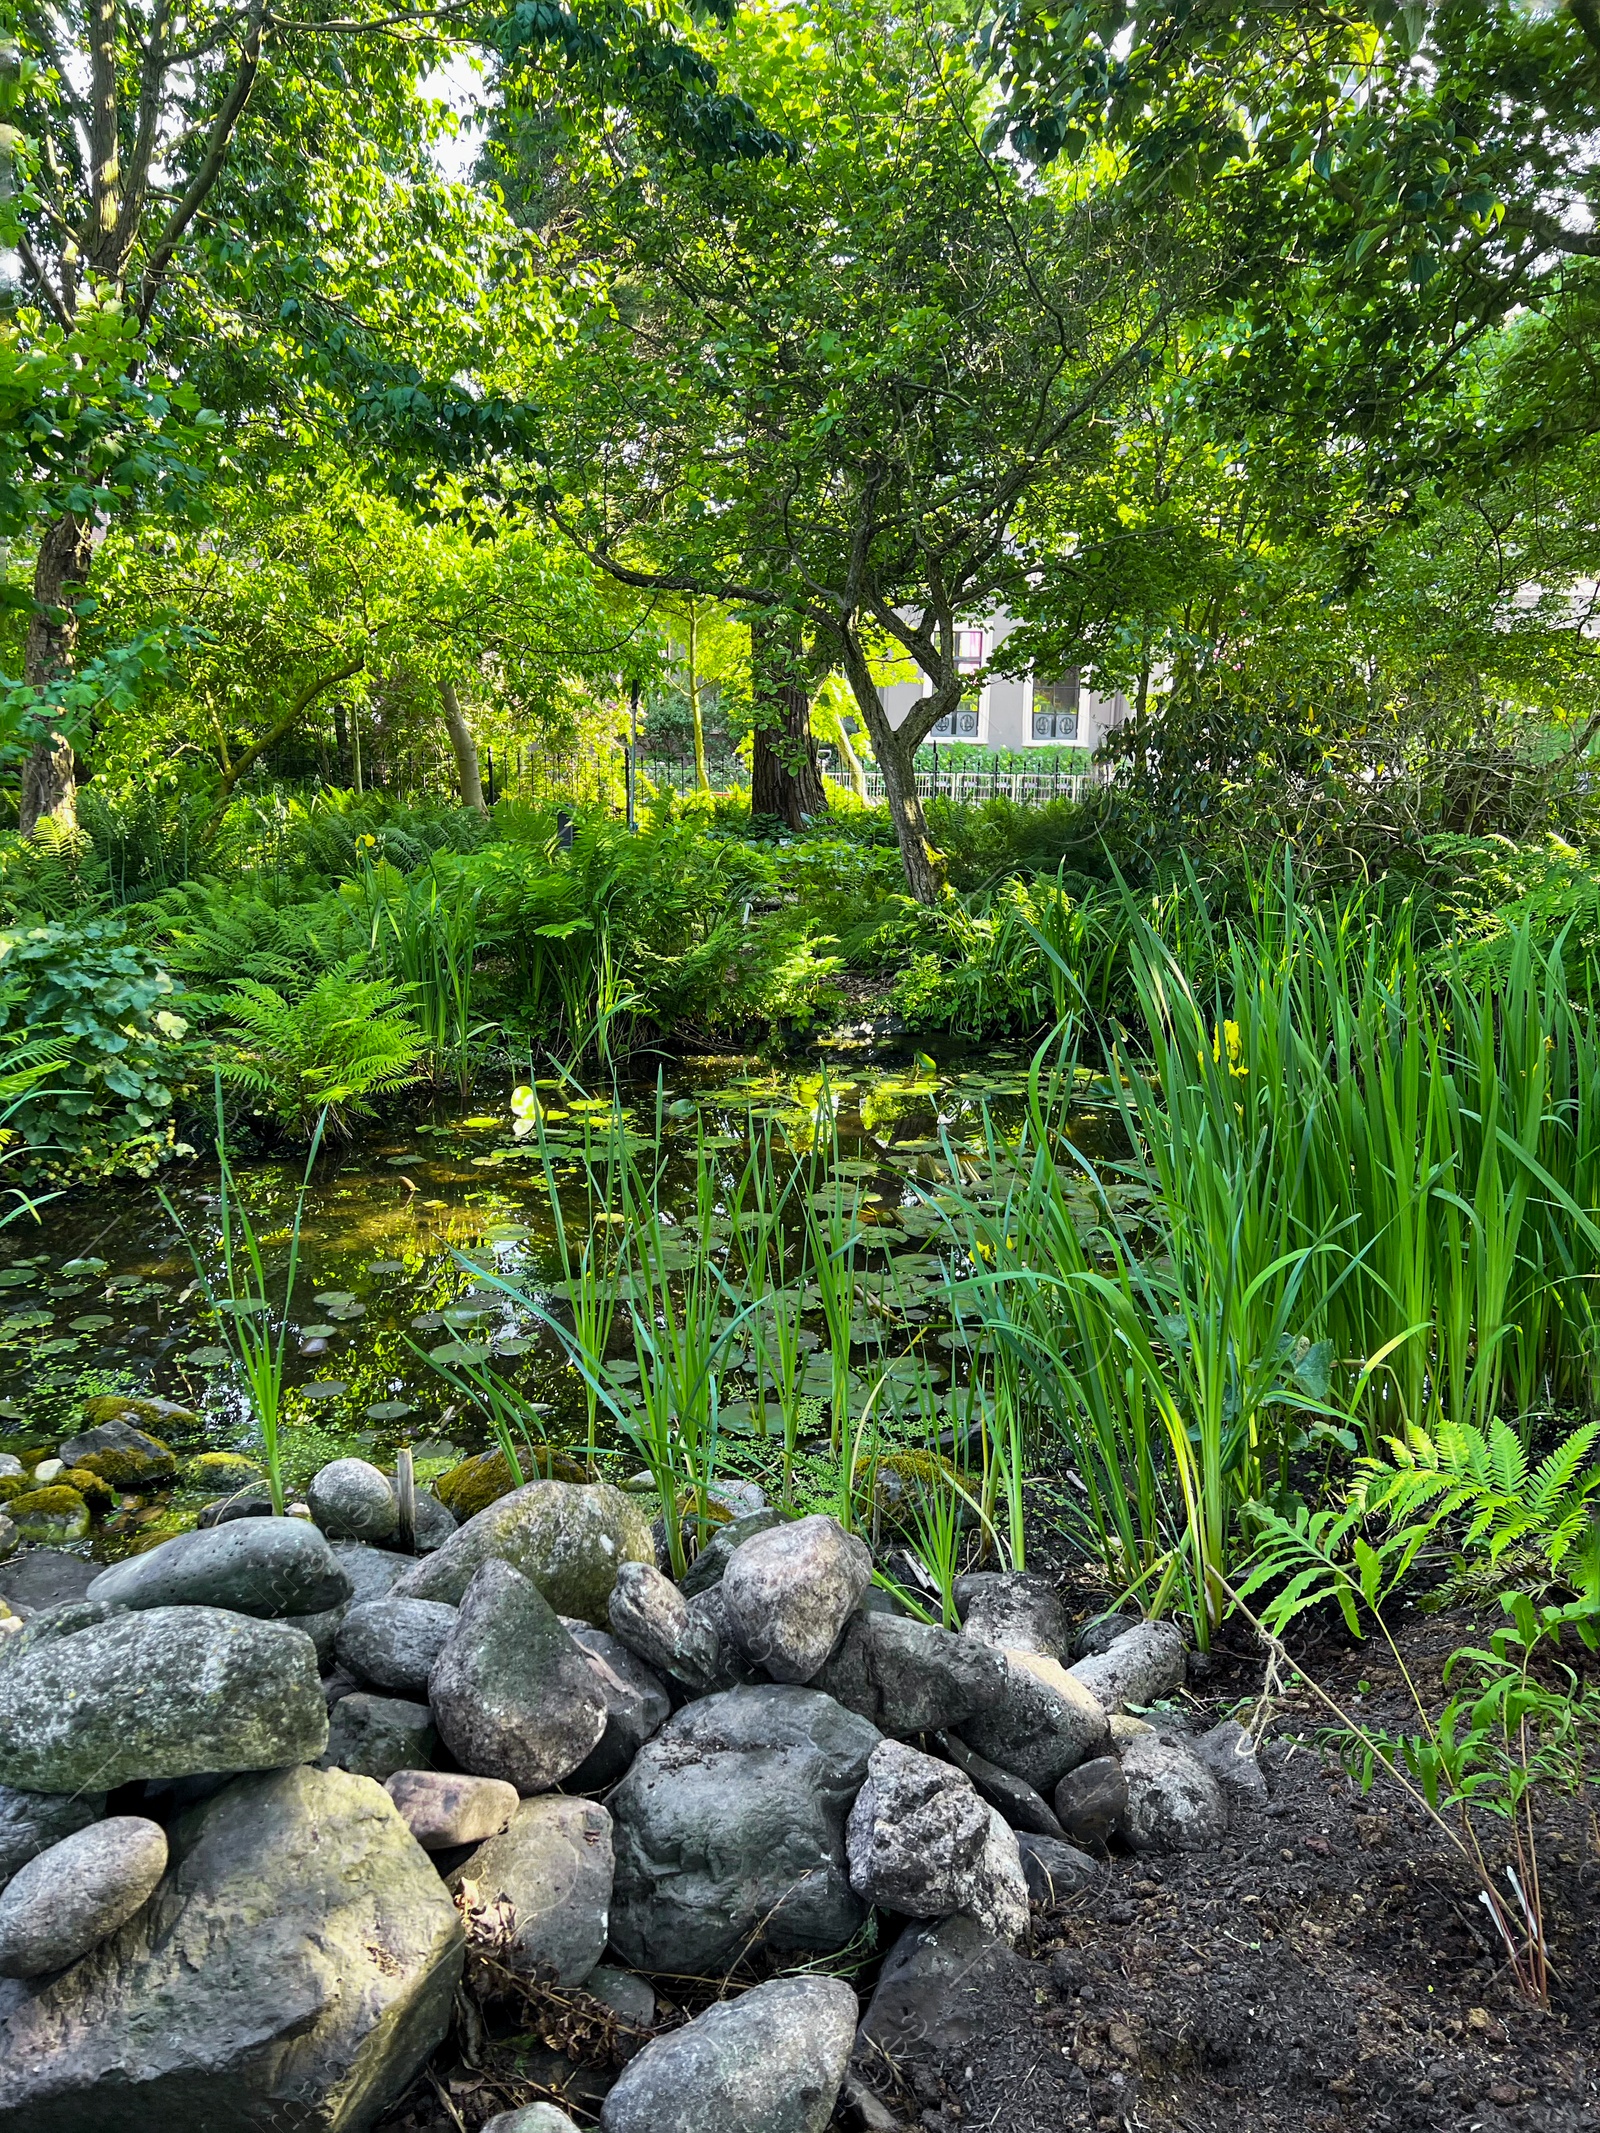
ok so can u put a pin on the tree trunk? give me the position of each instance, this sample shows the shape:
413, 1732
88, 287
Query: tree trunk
786, 779
702, 776
49, 782
924, 873
896, 752
466, 748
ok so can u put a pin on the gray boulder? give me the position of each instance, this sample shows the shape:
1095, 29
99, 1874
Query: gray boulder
393, 1644
1141, 1666
920, 1841
637, 1707
1012, 1610
553, 1867
650, 1616
938, 1987
708, 1566
44, 1577
351, 1500
789, 1592
30, 1822
162, 1692
567, 1538
730, 1827
374, 1736
294, 1969
1174, 1802
255, 1566
711, 1609
76, 1894
443, 1808
372, 1571
1045, 1725
771, 2061
915, 1834
1054, 1870
512, 1695
911, 1677
1018, 1803
1092, 1801
1229, 1754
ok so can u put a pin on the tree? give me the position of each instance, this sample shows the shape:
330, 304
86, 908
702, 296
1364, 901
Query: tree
825, 389
311, 599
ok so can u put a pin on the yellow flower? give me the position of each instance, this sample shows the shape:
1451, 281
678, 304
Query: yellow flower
366, 843
1229, 1036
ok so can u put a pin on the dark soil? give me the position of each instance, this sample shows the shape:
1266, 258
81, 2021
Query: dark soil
1328, 1968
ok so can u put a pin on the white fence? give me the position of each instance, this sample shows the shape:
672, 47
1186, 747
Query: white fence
1030, 788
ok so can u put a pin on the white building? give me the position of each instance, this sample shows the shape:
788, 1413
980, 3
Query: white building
1005, 713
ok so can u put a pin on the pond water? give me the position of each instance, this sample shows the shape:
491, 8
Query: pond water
400, 1234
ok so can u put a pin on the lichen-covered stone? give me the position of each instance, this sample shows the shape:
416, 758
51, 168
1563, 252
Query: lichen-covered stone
294, 1969
512, 1695
1045, 1725
1140, 1667
254, 1566
567, 1540
392, 1644
475, 1483
54, 1515
221, 1470
374, 1736
1174, 1802
121, 1450
88, 1704
911, 1677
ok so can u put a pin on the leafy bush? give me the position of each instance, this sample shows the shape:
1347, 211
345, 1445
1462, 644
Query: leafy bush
345, 1040
109, 1103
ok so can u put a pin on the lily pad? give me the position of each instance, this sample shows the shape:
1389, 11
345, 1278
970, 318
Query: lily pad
318, 1332
91, 1322
208, 1358
460, 1352
324, 1389
388, 1410
17, 1277
386, 1266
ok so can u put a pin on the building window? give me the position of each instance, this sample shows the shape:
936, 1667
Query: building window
1055, 710
963, 723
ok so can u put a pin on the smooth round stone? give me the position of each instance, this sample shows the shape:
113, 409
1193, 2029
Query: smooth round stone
75, 1895
351, 1500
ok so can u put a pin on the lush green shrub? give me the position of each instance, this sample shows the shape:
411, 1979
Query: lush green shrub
110, 1102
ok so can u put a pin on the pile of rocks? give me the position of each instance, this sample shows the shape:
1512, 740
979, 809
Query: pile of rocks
251, 1779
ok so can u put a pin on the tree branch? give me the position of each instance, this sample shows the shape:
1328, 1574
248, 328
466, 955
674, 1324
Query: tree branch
205, 178
270, 739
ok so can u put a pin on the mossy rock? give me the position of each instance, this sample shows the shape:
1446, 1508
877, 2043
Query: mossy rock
96, 1492
896, 1485
55, 1514
143, 1414
122, 1453
475, 1483
221, 1470
14, 1485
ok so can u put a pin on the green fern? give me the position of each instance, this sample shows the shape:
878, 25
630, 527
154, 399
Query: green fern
1511, 1517
347, 1039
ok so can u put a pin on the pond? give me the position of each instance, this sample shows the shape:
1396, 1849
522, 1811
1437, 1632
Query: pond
405, 1237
